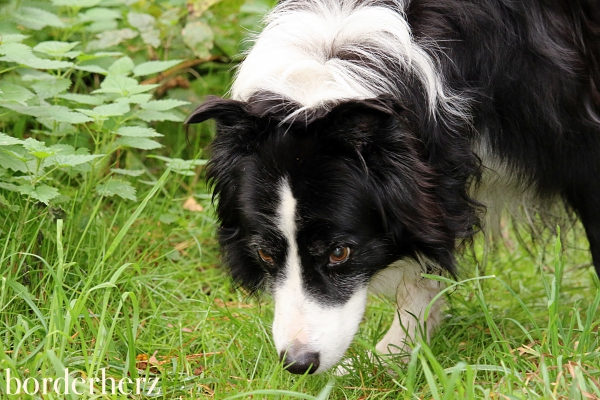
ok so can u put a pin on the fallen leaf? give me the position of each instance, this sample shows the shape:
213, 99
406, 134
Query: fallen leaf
141, 361
192, 205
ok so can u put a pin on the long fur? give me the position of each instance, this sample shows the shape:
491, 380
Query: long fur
317, 51
384, 118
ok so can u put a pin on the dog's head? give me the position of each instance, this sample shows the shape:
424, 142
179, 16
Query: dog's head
312, 206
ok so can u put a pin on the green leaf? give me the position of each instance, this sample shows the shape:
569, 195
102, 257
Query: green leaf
141, 89
67, 157
43, 193
122, 189
9, 186
18, 53
55, 128
180, 166
63, 114
100, 54
145, 24
111, 38
122, 85
103, 25
149, 115
76, 3
33, 75
107, 110
72, 160
36, 19
151, 38
153, 67
168, 219
42, 63
54, 48
95, 69
117, 84
98, 14
163, 105
72, 54
12, 38
122, 66
55, 113
141, 21
170, 17
199, 37
45, 89
6, 140
61, 148
37, 149
138, 143
15, 162
128, 172
135, 99
137, 131
23, 55
14, 93
82, 98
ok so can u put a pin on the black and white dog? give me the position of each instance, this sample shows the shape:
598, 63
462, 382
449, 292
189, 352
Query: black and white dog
352, 150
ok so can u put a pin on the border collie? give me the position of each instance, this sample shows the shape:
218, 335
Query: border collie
358, 138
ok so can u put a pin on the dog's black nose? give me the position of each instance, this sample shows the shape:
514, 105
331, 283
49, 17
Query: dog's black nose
301, 362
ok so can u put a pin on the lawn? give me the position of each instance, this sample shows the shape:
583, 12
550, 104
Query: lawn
110, 268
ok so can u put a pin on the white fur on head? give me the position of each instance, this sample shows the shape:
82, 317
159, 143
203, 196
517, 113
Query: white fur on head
295, 55
300, 320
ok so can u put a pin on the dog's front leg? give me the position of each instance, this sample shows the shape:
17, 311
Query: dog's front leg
413, 293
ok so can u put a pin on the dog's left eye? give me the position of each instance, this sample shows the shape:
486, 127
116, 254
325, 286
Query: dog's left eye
339, 255
266, 257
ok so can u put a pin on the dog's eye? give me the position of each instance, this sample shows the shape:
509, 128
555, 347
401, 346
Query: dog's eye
339, 255
266, 257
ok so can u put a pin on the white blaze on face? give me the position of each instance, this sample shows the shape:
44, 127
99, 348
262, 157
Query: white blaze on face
300, 319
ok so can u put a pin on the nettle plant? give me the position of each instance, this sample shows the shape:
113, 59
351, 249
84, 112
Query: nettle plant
72, 101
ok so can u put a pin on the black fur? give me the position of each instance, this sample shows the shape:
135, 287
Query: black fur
332, 161
387, 178
532, 72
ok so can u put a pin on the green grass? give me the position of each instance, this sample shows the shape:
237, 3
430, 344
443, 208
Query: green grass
116, 283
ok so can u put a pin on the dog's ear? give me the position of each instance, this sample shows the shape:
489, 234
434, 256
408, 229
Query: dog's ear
358, 121
237, 128
226, 112
400, 178
367, 113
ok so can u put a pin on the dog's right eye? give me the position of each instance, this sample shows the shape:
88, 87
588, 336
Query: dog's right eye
339, 255
266, 257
